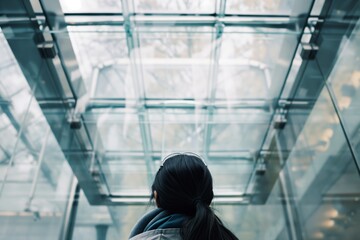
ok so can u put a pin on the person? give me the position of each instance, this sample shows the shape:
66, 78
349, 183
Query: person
183, 191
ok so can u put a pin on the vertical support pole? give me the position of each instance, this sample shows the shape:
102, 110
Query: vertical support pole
101, 231
290, 209
70, 212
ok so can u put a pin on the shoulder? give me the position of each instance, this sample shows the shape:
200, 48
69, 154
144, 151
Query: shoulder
159, 234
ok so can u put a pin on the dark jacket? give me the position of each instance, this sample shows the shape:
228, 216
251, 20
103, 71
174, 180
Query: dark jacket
158, 224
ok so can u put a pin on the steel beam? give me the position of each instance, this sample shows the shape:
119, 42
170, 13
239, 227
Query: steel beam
213, 76
132, 41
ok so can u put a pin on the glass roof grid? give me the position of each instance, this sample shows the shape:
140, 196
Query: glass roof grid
147, 61
111, 70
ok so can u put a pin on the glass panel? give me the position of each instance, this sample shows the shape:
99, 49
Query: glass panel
176, 61
345, 84
280, 7
93, 6
175, 6
117, 129
251, 63
102, 57
230, 176
323, 175
34, 184
238, 130
170, 125
126, 175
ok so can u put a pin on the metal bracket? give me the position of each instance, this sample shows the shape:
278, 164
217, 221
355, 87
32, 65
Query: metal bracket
261, 166
47, 50
308, 51
74, 114
74, 119
280, 118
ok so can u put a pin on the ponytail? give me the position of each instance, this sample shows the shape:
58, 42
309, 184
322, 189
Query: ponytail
205, 225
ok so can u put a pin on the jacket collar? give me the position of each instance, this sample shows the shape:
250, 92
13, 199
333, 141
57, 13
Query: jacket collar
158, 219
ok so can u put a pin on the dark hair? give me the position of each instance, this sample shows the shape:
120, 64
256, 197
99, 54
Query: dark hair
184, 185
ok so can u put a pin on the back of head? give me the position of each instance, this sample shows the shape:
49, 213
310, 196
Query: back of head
184, 185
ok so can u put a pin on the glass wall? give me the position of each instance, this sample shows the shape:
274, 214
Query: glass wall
35, 178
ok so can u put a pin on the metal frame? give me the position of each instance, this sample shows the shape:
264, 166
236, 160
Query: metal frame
84, 153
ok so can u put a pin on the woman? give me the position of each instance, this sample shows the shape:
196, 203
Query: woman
183, 191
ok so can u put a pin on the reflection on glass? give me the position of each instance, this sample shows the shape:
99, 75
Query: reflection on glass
323, 175
230, 176
247, 63
345, 84
170, 125
115, 129
126, 175
238, 130
176, 61
102, 56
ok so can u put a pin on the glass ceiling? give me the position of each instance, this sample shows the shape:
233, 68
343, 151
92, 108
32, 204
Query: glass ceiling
130, 81
158, 84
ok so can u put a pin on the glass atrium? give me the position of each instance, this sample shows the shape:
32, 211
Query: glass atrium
94, 93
